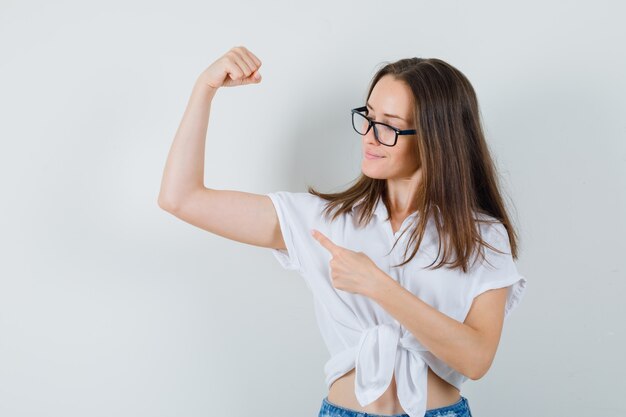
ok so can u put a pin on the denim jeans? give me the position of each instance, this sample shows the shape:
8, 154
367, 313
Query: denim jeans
459, 409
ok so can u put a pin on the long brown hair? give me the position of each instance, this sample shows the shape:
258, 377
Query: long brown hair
458, 173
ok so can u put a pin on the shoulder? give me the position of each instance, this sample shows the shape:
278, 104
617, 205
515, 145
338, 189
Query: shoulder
493, 247
300, 204
491, 229
299, 198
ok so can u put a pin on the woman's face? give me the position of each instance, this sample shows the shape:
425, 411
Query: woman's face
392, 97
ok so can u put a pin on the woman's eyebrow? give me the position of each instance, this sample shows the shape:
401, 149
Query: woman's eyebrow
387, 114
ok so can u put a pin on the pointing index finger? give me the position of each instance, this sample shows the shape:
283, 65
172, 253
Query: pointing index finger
324, 241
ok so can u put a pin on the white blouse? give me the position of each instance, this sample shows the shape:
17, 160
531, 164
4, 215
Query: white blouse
357, 331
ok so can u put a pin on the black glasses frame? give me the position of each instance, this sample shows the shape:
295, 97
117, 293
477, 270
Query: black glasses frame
372, 123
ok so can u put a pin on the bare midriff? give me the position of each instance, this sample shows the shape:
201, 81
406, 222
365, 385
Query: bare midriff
440, 394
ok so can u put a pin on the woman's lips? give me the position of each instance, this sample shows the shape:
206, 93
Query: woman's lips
370, 156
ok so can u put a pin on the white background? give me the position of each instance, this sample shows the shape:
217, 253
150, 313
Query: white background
110, 306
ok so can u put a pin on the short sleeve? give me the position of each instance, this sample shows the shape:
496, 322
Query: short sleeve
297, 213
497, 270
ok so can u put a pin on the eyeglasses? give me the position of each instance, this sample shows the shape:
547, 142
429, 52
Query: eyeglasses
385, 134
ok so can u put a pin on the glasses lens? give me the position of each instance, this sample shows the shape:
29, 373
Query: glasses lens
359, 122
385, 134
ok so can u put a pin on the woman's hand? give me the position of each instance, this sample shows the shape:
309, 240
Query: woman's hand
352, 271
238, 66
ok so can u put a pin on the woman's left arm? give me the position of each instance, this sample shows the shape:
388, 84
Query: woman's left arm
468, 347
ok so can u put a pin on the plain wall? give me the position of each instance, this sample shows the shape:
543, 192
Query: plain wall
109, 305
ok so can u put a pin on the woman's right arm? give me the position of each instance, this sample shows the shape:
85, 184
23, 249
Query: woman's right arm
240, 216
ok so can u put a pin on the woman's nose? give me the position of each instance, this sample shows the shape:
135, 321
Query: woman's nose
370, 137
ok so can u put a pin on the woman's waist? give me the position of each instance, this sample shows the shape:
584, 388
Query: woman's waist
439, 394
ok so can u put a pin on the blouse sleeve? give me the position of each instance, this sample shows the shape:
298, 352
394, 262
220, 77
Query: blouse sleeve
297, 213
498, 270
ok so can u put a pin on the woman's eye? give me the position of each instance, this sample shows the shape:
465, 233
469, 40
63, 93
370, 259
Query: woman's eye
382, 121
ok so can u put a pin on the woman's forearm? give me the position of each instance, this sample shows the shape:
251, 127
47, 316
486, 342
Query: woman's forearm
184, 168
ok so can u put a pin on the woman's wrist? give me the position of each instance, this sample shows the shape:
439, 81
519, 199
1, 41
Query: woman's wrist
204, 88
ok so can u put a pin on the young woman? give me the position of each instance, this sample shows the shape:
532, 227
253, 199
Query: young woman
411, 268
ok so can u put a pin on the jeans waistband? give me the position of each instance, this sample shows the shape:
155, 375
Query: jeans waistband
458, 409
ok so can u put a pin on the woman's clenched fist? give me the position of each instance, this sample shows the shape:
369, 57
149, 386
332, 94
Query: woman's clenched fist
238, 66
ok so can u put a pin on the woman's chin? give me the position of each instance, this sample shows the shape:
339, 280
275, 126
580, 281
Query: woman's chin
373, 173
